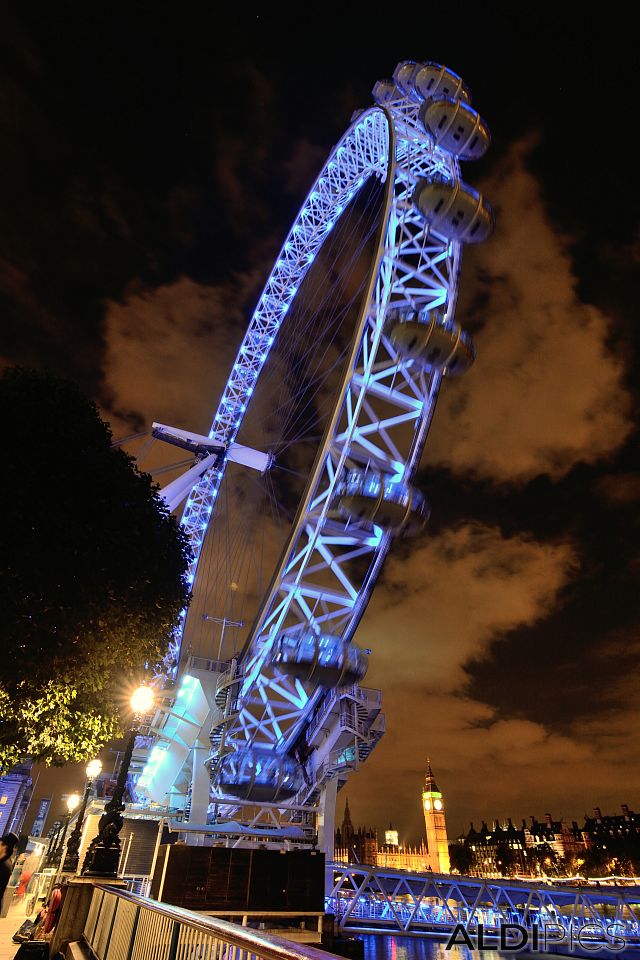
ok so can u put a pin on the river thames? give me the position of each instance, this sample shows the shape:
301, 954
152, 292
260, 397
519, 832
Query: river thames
419, 948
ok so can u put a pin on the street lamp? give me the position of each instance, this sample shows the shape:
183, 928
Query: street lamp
103, 855
71, 860
55, 856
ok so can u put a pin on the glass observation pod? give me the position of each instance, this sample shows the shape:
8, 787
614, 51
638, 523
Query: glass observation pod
456, 127
433, 80
404, 77
455, 210
392, 504
326, 660
432, 342
258, 775
384, 91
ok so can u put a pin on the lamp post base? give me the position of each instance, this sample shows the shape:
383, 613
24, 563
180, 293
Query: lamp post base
102, 860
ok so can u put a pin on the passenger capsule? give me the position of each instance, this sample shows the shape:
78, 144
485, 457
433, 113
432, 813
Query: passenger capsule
455, 210
384, 91
404, 76
456, 127
326, 660
432, 342
373, 498
433, 80
258, 775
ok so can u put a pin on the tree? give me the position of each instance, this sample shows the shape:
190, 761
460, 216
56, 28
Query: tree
92, 572
460, 857
595, 862
544, 858
506, 858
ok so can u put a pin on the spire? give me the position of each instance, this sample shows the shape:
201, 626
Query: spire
347, 813
430, 785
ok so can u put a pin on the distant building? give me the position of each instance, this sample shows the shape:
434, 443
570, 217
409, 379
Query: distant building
16, 788
599, 831
494, 852
355, 846
361, 845
547, 844
565, 841
415, 859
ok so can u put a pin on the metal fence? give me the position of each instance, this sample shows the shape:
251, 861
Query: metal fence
123, 926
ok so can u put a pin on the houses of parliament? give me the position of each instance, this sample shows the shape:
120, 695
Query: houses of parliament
605, 845
362, 846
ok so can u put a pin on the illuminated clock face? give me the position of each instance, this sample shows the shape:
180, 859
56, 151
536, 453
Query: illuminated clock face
437, 804
427, 804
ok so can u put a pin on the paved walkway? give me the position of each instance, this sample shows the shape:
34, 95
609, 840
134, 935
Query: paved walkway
8, 926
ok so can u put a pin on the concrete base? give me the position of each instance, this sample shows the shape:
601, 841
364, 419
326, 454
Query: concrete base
73, 915
77, 950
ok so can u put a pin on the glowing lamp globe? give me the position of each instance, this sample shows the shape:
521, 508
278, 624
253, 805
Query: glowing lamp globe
142, 700
93, 769
72, 802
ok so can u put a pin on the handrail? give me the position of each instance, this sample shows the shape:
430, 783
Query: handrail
178, 937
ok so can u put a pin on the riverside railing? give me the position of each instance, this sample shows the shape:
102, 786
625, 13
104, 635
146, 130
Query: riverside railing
123, 926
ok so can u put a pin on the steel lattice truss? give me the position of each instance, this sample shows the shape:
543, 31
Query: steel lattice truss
366, 897
381, 416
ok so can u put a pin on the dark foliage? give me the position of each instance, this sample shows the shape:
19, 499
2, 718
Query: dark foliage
92, 571
460, 857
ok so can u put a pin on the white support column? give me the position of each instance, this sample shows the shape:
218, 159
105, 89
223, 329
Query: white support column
326, 826
200, 784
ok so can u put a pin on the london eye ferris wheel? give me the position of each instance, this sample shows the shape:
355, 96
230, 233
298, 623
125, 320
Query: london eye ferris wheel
305, 477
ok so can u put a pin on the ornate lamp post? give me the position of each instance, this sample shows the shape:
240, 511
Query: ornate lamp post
73, 846
55, 855
103, 854
54, 837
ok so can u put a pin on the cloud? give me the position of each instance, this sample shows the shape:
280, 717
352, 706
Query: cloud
452, 596
169, 350
621, 489
546, 390
303, 166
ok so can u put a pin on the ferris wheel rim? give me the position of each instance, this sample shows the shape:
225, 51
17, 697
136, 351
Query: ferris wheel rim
337, 205
356, 339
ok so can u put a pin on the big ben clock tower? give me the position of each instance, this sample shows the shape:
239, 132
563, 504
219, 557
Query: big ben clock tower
433, 806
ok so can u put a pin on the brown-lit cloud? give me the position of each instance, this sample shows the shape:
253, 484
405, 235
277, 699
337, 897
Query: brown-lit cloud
620, 489
546, 390
452, 596
169, 351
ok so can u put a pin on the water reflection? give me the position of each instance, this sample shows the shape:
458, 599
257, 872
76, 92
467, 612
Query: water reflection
419, 948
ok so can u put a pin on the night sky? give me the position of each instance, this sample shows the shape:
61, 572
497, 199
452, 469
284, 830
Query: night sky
151, 165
